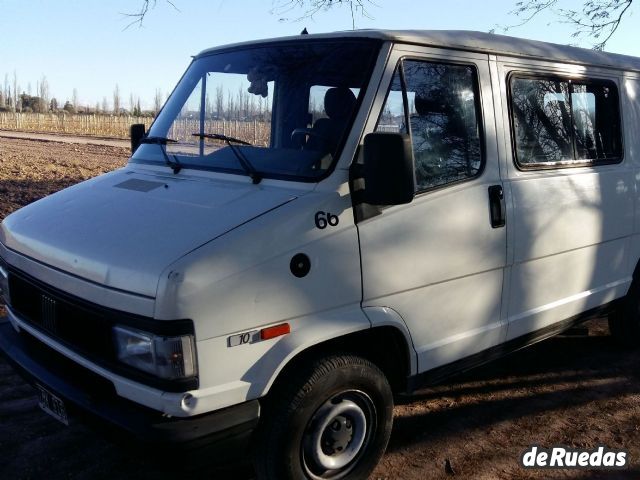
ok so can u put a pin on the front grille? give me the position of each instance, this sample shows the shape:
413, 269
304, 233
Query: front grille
81, 378
86, 328
63, 318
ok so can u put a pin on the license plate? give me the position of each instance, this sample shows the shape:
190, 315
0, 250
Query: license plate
52, 404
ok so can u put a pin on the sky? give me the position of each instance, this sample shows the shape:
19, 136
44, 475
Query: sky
86, 45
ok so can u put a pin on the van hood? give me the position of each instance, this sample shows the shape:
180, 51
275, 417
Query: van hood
122, 229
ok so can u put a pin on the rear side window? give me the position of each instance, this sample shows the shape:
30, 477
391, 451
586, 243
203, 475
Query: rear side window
559, 122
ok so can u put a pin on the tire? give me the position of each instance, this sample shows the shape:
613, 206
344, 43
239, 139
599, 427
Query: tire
624, 320
329, 419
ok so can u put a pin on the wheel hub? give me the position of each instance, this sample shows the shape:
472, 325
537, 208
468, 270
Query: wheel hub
338, 436
337, 433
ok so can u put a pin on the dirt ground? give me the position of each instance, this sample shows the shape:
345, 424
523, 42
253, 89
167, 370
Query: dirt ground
578, 390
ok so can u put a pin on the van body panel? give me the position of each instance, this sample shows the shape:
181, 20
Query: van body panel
570, 234
566, 244
547, 290
246, 372
388, 317
79, 287
448, 262
244, 279
243, 282
468, 42
81, 229
630, 99
451, 304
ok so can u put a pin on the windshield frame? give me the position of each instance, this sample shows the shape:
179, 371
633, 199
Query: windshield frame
376, 48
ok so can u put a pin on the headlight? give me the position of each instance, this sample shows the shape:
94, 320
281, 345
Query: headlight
170, 358
4, 282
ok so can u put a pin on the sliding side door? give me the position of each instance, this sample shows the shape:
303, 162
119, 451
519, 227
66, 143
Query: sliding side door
572, 191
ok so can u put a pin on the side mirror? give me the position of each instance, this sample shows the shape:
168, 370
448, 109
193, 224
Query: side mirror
137, 132
389, 174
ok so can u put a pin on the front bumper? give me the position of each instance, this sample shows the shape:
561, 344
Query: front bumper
87, 394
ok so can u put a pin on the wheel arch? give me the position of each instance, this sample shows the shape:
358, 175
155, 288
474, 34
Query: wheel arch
385, 346
636, 271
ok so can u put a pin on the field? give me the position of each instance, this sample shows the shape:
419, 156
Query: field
71, 124
579, 390
111, 126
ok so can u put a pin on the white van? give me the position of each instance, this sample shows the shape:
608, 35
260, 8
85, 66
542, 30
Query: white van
418, 203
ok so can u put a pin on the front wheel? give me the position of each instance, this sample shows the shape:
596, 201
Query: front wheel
330, 419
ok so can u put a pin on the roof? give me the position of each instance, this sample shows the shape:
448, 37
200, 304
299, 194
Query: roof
470, 41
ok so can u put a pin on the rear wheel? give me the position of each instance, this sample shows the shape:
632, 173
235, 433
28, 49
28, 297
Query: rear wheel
624, 320
329, 420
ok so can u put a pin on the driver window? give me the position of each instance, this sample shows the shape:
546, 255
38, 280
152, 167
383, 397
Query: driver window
443, 120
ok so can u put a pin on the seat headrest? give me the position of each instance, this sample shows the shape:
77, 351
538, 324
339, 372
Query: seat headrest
339, 102
428, 105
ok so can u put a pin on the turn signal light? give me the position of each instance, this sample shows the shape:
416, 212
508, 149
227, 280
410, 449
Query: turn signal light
275, 331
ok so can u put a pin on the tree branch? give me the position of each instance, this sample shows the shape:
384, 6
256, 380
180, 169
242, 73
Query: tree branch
598, 19
312, 7
139, 16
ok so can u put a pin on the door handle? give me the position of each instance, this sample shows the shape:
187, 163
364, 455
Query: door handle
497, 208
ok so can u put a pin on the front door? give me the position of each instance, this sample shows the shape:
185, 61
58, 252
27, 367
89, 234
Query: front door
439, 261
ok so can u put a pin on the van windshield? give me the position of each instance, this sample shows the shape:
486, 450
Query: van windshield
280, 111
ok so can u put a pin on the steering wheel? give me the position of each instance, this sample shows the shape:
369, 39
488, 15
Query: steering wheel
307, 133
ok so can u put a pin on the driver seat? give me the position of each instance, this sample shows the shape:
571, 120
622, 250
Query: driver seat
339, 103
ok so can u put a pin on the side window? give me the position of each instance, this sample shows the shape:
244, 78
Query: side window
443, 120
559, 121
393, 117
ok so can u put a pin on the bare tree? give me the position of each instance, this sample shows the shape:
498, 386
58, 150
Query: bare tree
596, 19
134, 105
43, 93
116, 100
219, 102
311, 7
74, 99
7, 90
139, 16
282, 7
240, 104
157, 101
9, 101
231, 107
16, 99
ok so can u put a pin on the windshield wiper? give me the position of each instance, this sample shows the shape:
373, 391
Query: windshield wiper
174, 164
220, 136
255, 176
